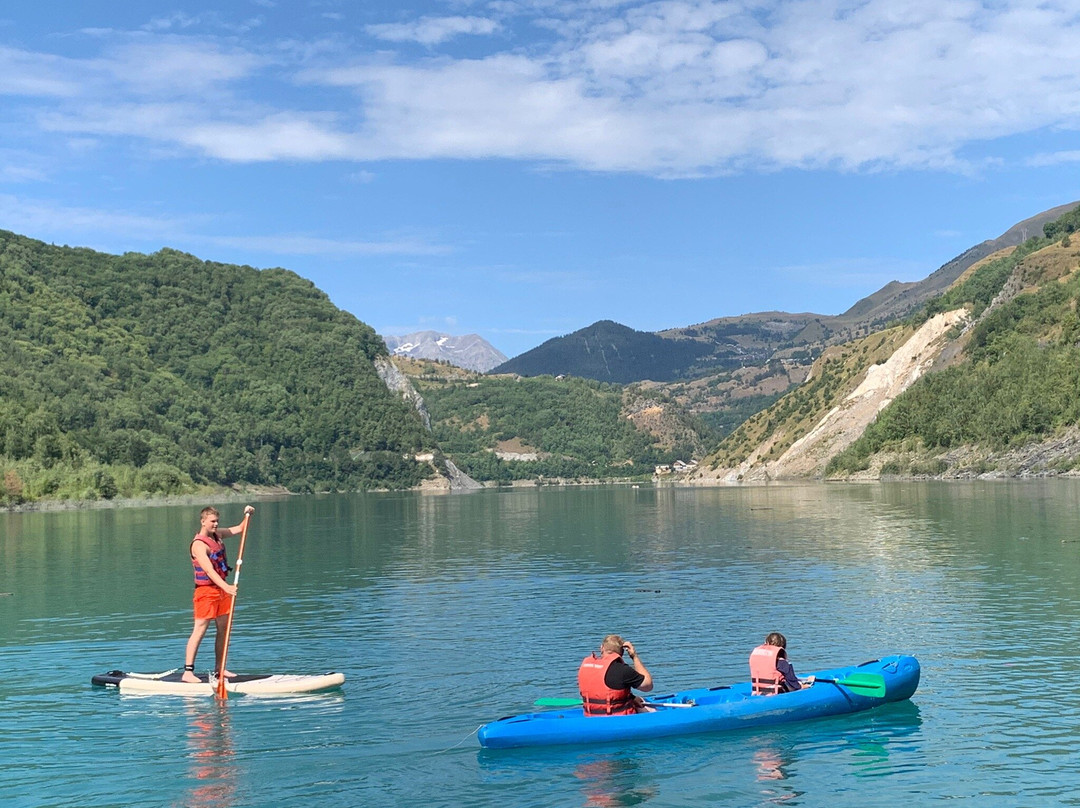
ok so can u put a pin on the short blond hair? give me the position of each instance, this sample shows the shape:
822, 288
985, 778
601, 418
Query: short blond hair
612, 643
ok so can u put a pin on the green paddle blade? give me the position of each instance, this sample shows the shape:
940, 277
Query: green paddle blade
867, 684
553, 702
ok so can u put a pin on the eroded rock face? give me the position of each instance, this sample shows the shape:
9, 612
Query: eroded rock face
397, 382
842, 425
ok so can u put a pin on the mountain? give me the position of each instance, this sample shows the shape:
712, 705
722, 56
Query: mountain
471, 351
896, 300
983, 380
157, 374
608, 351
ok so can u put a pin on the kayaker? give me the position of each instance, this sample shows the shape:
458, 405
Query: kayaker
213, 594
770, 670
605, 681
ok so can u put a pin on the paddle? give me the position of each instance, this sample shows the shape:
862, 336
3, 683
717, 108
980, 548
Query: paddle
221, 692
556, 702
866, 684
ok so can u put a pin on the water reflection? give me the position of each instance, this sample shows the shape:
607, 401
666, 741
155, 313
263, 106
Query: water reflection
881, 743
211, 755
612, 781
774, 763
873, 749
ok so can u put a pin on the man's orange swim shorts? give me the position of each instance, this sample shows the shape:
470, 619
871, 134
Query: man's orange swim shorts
210, 602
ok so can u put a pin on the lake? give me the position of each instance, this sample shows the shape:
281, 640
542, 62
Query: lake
448, 611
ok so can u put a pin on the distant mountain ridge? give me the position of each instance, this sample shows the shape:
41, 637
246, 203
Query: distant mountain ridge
897, 299
611, 352
470, 351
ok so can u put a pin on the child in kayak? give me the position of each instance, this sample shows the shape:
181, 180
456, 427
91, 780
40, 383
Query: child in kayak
770, 670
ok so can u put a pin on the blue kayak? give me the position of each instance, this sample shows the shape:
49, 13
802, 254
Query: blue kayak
715, 709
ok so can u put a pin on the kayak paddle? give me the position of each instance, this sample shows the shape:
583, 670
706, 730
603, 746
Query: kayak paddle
865, 684
555, 702
221, 692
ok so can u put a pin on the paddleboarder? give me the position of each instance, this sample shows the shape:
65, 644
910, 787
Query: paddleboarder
213, 593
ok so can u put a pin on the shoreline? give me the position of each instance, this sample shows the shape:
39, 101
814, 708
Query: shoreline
227, 496
211, 498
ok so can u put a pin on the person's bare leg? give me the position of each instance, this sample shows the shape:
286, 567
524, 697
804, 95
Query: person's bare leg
197, 633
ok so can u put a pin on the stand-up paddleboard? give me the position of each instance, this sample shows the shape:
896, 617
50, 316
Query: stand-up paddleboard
169, 683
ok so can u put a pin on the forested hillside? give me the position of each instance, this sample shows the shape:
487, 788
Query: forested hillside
608, 352
146, 374
504, 428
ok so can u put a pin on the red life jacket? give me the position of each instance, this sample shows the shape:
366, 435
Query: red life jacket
765, 679
216, 551
596, 697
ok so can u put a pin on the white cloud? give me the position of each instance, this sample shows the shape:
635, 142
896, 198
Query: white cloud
433, 30
684, 87
46, 218
276, 137
210, 20
177, 20
129, 69
1054, 158
41, 75
176, 66
16, 171
674, 87
330, 248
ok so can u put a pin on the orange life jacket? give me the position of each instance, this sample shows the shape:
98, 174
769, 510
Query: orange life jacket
596, 697
765, 679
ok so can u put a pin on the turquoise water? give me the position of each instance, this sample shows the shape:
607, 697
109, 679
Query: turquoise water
445, 612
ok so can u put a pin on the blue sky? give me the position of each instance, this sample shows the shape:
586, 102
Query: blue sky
522, 168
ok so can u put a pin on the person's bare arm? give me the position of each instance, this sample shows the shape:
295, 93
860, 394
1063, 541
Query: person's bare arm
235, 530
639, 666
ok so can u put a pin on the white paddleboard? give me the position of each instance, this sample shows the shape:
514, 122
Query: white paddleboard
169, 683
